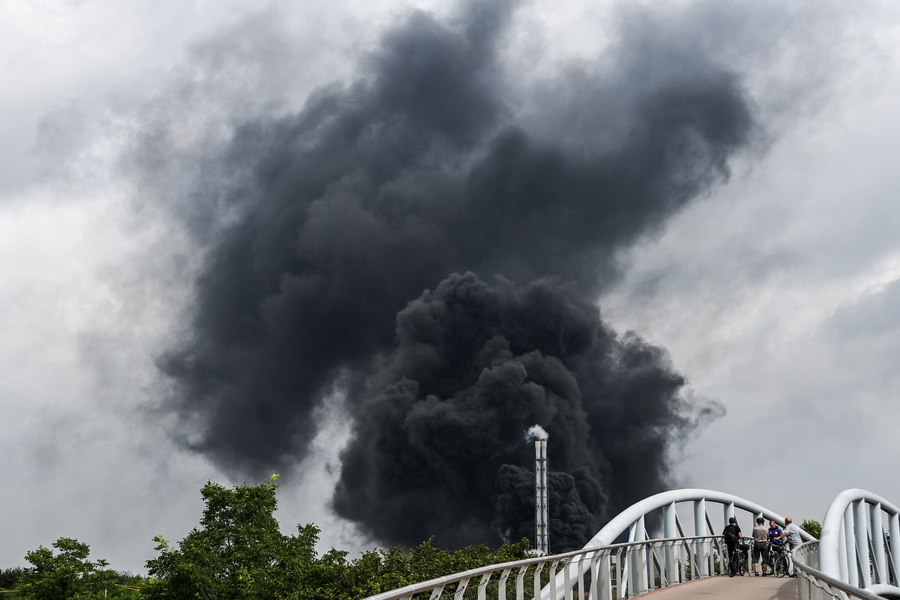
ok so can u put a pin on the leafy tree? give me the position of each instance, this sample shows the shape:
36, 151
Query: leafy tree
115, 584
66, 574
238, 552
381, 570
10, 577
814, 528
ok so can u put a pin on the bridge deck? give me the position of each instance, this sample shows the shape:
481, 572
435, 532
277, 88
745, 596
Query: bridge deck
730, 588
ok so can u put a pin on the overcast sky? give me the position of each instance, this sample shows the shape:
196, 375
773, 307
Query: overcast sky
775, 294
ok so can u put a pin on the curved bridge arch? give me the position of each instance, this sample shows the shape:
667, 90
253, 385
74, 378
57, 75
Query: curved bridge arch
636, 572
854, 554
632, 518
855, 547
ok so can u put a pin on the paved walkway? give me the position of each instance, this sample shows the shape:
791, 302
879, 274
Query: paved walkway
747, 587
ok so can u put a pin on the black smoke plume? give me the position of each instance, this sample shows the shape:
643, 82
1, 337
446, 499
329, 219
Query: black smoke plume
373, 192
473, 368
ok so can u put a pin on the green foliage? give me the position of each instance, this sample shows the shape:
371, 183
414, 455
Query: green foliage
237, 552
377, 571
814, 528
120, 585
65, 574
10, 577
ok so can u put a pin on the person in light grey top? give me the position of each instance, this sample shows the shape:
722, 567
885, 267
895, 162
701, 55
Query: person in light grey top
791, 536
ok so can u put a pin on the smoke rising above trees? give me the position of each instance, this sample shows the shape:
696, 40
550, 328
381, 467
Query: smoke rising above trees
422, 176
474, 366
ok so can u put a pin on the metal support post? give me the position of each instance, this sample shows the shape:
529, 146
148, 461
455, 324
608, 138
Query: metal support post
670, 530
860, 526
699, 530
850, 537
639, 559
876, 526
729, 511
894, 548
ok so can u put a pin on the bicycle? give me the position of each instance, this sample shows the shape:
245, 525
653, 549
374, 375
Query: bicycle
737, 562
778, 558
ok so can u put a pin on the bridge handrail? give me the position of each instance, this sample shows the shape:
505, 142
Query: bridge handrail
817, 585
592, 555
830, 548
854, 549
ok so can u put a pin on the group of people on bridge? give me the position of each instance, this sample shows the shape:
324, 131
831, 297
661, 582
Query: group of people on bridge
766, 542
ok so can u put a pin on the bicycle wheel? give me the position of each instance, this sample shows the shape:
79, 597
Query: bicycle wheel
743, 564
734, 565
781, 566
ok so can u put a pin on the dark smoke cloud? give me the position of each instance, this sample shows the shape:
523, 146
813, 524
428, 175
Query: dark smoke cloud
570, 501
342, 213
473, 368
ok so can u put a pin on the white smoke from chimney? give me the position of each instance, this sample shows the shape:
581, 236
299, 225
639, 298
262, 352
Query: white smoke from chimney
535, 432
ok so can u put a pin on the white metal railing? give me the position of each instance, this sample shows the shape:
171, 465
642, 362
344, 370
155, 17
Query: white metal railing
608, 571
817, 585
856, 541
613, 572
853, 560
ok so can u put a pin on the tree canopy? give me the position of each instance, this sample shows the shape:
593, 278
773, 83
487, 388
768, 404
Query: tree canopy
812, 527
238, 552
67, 573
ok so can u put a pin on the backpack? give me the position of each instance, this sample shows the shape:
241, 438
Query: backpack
729, 533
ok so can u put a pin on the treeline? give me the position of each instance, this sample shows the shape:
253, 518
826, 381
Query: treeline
238, 552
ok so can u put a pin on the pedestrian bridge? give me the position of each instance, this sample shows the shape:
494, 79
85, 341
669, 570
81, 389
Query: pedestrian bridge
669, 544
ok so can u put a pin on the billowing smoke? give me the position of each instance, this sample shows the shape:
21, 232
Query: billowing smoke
424, 176
536, 432
474, 365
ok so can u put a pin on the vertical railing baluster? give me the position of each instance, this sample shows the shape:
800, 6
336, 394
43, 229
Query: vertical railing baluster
655, 567
604, 569
482, 586
594, 593
461, 589
520, 583
501, 584
536, 579
579, 583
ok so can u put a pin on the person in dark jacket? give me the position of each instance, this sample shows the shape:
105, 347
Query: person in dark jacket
731, 533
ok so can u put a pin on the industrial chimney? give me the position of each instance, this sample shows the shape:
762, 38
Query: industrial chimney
541, 537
